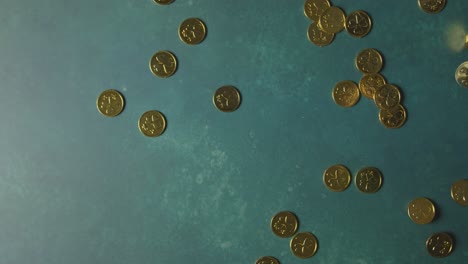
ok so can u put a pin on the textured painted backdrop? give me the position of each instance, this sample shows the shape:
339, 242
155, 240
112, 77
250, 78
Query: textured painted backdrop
76, 187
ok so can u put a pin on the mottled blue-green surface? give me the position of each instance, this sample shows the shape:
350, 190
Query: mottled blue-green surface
77, 187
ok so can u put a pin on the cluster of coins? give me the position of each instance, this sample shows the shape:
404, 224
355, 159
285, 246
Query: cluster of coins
337, 178
303, 245
432, 6
372, 85
328, 20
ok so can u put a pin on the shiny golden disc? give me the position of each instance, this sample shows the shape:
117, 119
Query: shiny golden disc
387, 96
314, 8
393, 118
163, 64
358, 24
163, 2
459, 192
227, 98
337, 178
319, 37
110, 103
284, 224
421, 210
369, 83
369, 61
152, 123
192, 31
332, 20
267, 260
432, 6
304, 245
346, 93
439, 245
369, 180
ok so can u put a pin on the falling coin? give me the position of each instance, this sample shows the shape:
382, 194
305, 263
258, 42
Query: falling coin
227, 98
314, 8
152, 123
163, 64
387, 96
421, 211
319, 37
459, 192
439, 245
337, 178
393, 118
346, 93
284, 224
358, 24
369, 61
304, 245
192, 31
432, 6
369, 180
110, 103
461, 74
267, 260
369, 83
332, 20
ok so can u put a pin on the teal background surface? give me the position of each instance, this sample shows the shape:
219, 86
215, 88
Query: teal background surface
77, 187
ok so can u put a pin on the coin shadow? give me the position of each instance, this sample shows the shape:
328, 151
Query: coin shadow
437, 211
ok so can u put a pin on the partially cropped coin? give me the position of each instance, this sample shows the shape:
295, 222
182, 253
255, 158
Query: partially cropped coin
461, 74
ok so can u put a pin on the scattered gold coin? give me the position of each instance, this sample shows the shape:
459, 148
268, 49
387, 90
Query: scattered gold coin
346, 93
163, 2
369, 83
421, 211
432, 6
152, 123
267, 260
192, 31
459, 192
110, 103
337, 178
227, 98
358, 24
284, 224
319, 37
314, 8
393, 118
163, 64
387, 96
304, 245
332, 20
369, 180
369, 61
439, 245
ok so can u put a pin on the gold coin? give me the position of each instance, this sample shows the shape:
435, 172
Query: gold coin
284, 224
319, 37
110, 103
163, 64
192, 31
369, 83
267, 260
304, 245
387, 96
432, 6
152, 123
421, 211
393, 118
337, 178
369, 180
358, 24
346, 93
314, 8
332, 20
459, 192
227, 98
439, 245
163, 2
369, 61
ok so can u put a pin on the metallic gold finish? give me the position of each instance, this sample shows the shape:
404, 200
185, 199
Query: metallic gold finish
110, 103
432, 6
267, 260
314, 8
227, 98
369, 61
284, 224
439, 245
369, 180
421, 210
461, 74
304, 245
152, 123
358, 24
337, 178
346, 93
319, 37
387, 96
393, 118
163, 64
332, 20
192, 31
163, 2
369, 83
459, 192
